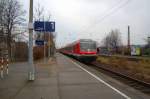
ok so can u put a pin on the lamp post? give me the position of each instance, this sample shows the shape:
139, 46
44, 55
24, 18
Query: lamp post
31, 69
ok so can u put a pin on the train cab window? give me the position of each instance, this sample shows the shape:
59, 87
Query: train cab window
88, 46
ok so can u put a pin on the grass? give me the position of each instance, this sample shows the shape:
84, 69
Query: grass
139, 68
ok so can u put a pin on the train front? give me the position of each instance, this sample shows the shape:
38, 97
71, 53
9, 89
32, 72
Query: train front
88, 50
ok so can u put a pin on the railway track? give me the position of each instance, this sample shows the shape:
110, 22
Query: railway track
135, 83
128, 80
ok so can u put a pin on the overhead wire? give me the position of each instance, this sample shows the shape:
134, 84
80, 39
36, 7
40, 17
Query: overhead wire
113, 9
108, 10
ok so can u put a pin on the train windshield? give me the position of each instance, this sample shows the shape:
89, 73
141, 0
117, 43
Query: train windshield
88, 46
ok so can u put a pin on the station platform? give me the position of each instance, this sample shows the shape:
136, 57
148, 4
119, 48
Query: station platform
60, 79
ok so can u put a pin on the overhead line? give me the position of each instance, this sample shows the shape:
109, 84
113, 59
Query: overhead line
109, 14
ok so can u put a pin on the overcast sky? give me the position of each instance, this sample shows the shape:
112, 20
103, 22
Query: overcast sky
94, 19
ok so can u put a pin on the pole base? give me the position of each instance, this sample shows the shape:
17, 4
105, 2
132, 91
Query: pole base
31, 76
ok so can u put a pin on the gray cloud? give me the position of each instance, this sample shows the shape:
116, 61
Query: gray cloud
82, 18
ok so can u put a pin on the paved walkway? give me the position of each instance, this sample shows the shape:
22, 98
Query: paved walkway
59, 80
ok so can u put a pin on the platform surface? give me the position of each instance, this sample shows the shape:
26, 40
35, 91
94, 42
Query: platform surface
62, 79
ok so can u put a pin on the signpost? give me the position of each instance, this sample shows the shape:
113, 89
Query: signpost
44, 26
38, 26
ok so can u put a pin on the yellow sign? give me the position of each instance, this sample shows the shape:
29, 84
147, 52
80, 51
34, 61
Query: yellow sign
135, 50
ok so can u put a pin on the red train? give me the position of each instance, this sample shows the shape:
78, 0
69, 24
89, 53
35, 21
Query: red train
83, 49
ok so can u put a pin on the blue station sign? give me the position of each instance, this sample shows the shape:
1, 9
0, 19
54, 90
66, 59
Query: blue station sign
39, 26
44, 26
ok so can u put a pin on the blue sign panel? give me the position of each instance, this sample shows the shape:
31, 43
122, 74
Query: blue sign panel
39, 26
50, 26
39, 42
42, 26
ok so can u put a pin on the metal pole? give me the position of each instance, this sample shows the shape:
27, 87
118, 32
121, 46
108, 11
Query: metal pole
129, 37
44, 51
48, 45
44, 45
31, 70
49, 53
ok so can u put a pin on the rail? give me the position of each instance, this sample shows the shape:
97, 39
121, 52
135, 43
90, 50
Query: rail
144, 86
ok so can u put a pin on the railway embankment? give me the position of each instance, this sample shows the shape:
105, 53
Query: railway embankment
138, 68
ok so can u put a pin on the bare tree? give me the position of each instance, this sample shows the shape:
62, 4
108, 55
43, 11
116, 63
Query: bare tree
1, 11
2, 6
12, 16
112, 40
39, 13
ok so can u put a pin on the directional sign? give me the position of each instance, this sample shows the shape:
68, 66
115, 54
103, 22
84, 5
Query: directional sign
39, 42
44, 26
39, 26
50, 26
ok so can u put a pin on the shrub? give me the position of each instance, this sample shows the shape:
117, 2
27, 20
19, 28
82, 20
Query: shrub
147, 51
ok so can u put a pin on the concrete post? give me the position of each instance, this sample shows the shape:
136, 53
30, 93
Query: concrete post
31, 71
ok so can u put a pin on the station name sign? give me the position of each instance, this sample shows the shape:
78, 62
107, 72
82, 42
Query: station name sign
44, 26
